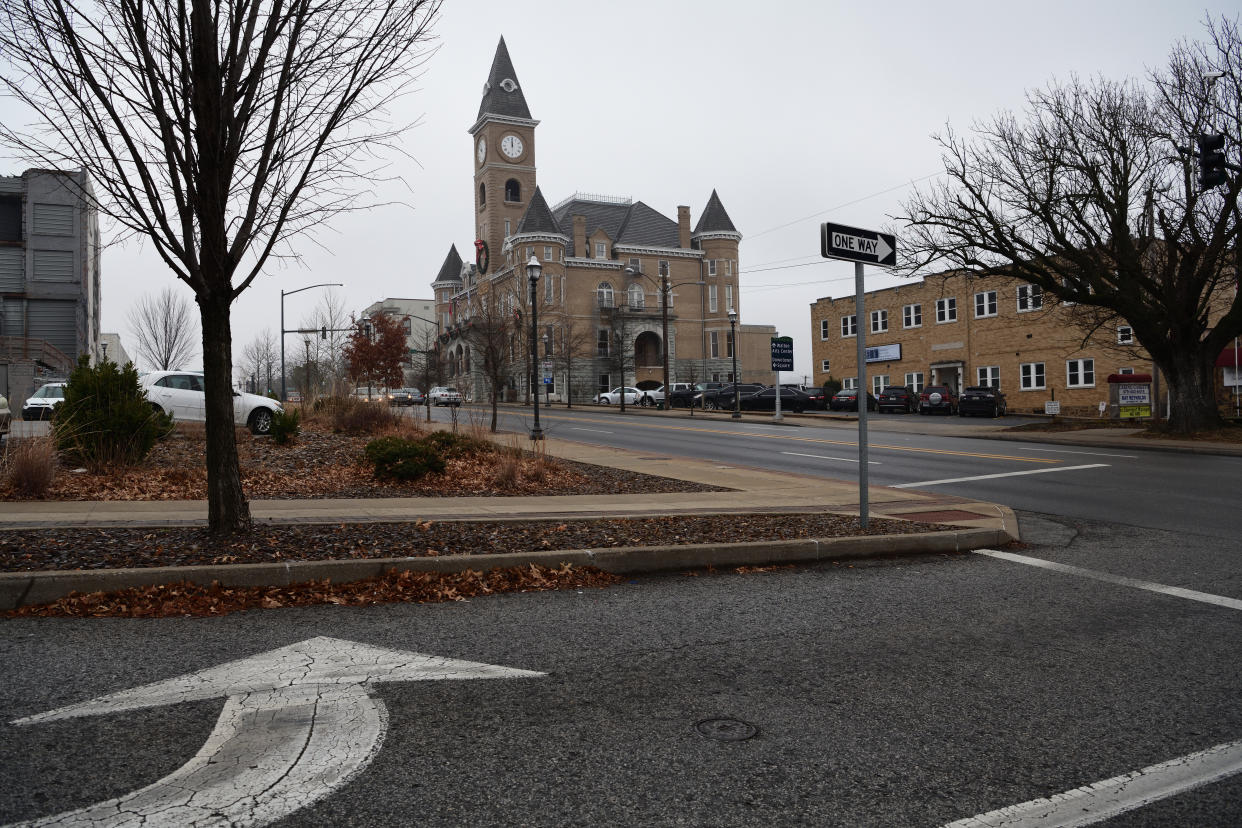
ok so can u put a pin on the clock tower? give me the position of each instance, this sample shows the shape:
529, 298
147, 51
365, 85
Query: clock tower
504, 158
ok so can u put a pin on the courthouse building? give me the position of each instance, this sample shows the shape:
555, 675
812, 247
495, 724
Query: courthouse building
604, 261
961, 329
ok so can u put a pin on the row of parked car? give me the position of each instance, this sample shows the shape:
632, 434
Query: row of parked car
711, 396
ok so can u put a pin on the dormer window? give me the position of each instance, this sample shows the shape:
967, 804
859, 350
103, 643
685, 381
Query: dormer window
601, 250
508, 84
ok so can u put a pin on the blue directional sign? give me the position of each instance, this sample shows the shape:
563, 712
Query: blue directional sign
782, 353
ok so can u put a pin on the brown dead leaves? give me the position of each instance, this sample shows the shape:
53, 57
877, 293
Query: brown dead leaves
393, 587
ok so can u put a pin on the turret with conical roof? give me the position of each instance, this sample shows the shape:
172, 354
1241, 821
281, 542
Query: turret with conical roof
502, 95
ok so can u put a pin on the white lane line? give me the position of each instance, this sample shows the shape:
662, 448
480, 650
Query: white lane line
828, 457
1106, 799
596, 430
994, 476
1090, 453
1163, 589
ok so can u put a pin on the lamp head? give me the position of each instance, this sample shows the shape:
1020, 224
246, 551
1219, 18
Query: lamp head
629, 271
533, 268
732, 316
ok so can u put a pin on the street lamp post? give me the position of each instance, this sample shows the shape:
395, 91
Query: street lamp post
533, 268
284, 397
737, 393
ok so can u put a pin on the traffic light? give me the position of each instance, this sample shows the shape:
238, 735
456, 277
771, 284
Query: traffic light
323, 332
1211, 160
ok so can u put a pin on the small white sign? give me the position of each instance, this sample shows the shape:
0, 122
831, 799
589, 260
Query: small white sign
1052, 406
1103, 406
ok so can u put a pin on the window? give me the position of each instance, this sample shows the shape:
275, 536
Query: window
549, 340
711, 267
507, 231
549, 288
662, 267
547, 252
601, 250
605, 295
730, 265
482, 194
513, 190
825, 366
988, 375
636, 264
1080, 373
912, 316
879, 321
1030, 297
1125, 335
728, 344
849, 325
1032, 376
407, 327
636, 296
946, 310
714, 338
985, 304
601, 343
823, 329
915, 381
729, 297
604, 384
1125, 371
711, 298
849, 383
878, 382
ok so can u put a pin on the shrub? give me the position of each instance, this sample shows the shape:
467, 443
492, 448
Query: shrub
402, 459
30, 465
106, 419
831, 386
285, 426
453, 444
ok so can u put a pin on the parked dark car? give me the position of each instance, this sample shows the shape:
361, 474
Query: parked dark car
847, 400
722, 398
898, 398
982, 399
792, 400
819, 400
683, 397
407, 396
935, 398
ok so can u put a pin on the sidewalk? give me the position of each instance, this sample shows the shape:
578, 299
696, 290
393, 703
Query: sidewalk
980, 524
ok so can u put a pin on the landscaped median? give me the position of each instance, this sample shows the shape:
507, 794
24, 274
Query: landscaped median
19, 589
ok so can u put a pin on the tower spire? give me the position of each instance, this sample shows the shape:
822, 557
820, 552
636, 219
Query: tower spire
502, 95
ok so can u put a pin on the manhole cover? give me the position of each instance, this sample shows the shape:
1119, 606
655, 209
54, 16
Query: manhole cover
726, 730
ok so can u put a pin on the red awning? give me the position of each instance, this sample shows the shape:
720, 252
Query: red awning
1229, 357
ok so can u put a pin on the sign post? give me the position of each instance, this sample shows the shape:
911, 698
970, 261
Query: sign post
854, 244
782, 360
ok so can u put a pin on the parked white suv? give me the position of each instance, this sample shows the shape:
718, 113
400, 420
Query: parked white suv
444, 395
179, 394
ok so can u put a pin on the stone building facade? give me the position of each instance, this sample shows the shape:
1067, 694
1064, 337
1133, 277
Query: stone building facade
607, 264
960, 330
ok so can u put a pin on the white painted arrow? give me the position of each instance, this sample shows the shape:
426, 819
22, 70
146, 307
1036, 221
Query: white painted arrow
298, 722
882, 249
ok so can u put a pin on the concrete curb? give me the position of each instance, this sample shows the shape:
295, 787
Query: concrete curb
19, 589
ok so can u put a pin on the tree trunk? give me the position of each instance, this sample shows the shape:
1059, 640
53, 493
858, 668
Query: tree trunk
1191, 377
495, 394
227, 509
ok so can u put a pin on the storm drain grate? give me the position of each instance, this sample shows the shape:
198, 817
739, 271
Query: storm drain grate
726, 730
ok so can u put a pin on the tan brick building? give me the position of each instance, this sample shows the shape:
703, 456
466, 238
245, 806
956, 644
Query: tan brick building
961, 330
604, 260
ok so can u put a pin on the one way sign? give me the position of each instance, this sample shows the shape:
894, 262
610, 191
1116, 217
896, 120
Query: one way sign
836, 241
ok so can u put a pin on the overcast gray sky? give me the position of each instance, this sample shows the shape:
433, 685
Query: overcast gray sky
796, 111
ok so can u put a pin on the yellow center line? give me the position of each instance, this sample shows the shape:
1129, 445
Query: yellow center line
820, 441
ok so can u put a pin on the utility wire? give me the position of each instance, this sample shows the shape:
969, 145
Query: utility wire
846, 204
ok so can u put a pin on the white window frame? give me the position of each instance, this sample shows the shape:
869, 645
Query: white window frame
1125, 335
729, 344
878, 382
662, 267
914, 381
601, 250
1030, 373
988, 375
547, 252
711, 267
1080, 373
985, 304
946, 310
825, 366
912, 312
729, 298
713, 338
1125, 370
849, 383
879, 321
712, 305
1030, 298
549, 289
607, 296
823, 329
635, 297
849, 326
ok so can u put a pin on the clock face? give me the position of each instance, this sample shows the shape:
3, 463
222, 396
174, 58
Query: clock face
511, 145
482, 149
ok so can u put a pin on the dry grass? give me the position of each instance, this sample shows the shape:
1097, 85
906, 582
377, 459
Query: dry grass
29, 465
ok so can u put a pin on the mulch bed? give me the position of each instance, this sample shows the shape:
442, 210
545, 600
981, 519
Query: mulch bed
115, 548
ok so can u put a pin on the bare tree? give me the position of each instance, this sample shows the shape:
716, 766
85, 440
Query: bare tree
574, 343
219, 130
164, 330
333, 323
1093, 197
493, 334
261, 360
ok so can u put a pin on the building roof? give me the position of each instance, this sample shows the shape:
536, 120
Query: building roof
450, 271
633, 224
497, 100
714, 218
645, 226
538, 217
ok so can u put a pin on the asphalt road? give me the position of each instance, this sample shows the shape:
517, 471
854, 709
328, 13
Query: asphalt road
1147, 488
911, 692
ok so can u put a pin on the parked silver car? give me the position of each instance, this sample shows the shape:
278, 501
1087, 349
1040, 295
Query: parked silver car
40, 404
